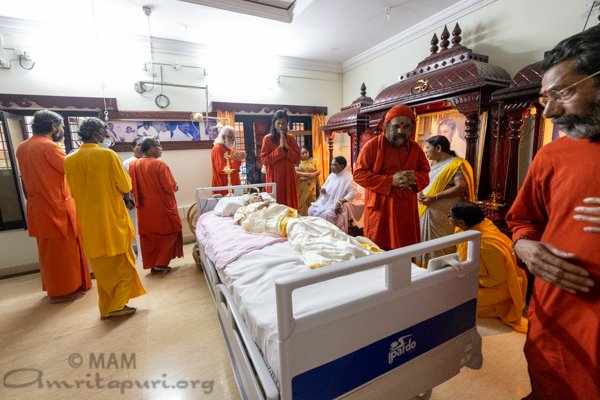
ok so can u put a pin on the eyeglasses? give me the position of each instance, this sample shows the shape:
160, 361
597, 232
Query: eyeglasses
451, 216
563, 94
229, 137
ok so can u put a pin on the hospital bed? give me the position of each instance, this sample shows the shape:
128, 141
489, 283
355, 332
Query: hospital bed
373, 327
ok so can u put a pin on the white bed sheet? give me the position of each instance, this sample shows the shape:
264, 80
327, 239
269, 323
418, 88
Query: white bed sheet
251, 281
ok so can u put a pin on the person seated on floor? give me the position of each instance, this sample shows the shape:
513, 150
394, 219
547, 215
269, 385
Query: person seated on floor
502, 284
338, 189
318, 241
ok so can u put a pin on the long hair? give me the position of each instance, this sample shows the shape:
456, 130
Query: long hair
222, 131
584, 46
278, 115
442, 141
43, 121
89, 127
470, 213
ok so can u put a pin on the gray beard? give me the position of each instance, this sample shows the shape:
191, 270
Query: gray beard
584, 127
229, 146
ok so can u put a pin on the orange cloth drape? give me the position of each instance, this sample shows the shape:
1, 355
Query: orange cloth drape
219, 177
502, 284
320, 147
228, 117
159, 223
281, 168
51, 217
391, 215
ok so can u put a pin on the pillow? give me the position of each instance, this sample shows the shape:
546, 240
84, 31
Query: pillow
227, 206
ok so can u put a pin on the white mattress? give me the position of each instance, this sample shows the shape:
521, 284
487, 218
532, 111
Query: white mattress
251, 279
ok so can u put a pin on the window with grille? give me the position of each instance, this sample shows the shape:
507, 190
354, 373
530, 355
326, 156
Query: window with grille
240, 145
11, 215
5, 163
299, 126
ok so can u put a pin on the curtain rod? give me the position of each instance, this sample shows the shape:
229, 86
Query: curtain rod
175, 85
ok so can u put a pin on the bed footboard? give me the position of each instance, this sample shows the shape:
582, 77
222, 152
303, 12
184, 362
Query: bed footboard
426, 323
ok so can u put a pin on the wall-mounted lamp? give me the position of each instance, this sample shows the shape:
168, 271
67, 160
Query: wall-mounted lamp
22, 56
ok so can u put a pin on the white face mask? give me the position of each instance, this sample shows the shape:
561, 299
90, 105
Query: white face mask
106, 143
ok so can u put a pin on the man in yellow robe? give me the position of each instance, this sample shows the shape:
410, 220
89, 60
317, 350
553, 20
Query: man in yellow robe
502, 285
98, 180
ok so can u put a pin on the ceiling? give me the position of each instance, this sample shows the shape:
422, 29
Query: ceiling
335, 32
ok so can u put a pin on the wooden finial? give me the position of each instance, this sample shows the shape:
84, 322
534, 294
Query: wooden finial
456, 35
434, 46
445, 36
363, 90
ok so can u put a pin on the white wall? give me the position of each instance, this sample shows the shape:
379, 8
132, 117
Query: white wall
512, 33
83, 73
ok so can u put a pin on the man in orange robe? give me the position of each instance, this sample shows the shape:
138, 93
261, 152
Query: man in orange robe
280, 153
51, 216
555, 221
224, 144
393, 169
159, 224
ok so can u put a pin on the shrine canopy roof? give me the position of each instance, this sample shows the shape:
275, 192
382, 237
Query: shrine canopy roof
451, 71
349, 117
525, 84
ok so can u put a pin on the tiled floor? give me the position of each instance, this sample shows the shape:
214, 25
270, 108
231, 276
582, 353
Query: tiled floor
173, 340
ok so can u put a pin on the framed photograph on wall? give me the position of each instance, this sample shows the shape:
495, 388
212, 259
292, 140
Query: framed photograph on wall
174, 130
449, 123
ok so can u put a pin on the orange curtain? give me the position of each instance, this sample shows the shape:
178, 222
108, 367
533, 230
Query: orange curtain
228, 117
320, 145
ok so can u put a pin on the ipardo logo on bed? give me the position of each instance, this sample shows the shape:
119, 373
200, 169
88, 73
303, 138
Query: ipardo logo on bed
403, 345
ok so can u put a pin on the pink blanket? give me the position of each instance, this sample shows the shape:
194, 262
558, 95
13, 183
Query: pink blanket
225, 242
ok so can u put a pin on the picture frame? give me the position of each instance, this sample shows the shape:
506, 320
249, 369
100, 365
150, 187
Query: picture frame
174, 130
450, 123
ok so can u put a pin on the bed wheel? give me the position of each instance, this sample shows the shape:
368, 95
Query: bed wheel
424, 396
196, 255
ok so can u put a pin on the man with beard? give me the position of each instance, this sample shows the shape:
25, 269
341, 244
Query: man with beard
224, 144
555, 219
51, 216
392, 168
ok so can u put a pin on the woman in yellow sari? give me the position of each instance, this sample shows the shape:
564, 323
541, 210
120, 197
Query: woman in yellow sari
450, 181
307, 174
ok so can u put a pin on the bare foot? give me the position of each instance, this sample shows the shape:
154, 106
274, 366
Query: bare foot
160, 268
67, 297
124, 311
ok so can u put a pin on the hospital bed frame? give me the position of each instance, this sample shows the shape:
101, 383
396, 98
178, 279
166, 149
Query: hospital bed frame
399, 343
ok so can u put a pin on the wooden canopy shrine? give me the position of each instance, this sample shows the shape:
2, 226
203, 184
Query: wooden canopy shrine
349, 121
453, 78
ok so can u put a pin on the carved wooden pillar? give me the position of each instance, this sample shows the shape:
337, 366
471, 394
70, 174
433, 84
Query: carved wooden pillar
498, 162
515, 123
471, 137
330, 137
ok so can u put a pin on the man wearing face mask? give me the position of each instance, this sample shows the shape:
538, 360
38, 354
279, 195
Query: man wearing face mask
98, 180
51, 216
224, 144
392, 168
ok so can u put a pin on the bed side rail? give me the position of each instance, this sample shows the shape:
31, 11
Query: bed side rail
396, 277
206, 201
